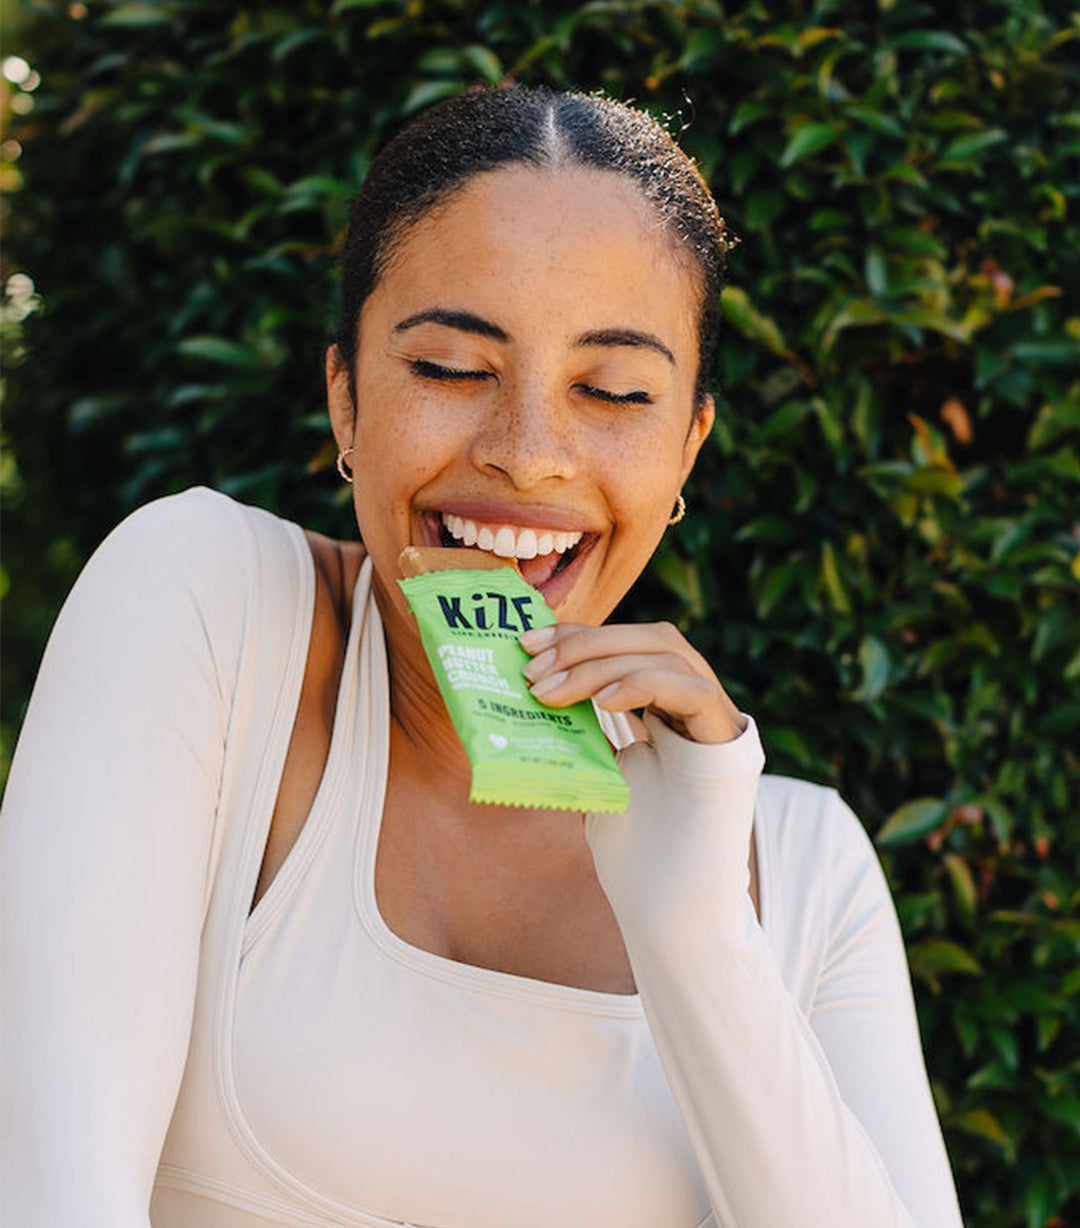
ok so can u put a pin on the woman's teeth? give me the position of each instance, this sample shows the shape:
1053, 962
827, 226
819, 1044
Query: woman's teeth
507, 542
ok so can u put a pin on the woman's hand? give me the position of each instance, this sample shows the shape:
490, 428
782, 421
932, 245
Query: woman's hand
626, 666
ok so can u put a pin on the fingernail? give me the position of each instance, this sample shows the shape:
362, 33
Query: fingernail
539, 665
537, 638
606, 692
549, 683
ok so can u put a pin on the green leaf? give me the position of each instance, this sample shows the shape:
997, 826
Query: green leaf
832, 580
878, 122
984, 1124
1032, 999
919, 318
167, 142
1063, 1108
484, 62
1047, 1030
912, 820
875, 663
784, 740
963, 885
931, 40
441, 61
914, 242
966, 147
875, 271
1050, 353
682, 578
343, 6
856, 313
1060, 720
1040, 1200
135, 16
939, 956
1070, 983
1004, 1041
314, 191
737, 307
904, 172
220, 350
292, 42
89, 411
935, 480
748, 113
703, 47
194, 394
769, 528
778, 583
809, 139
763, 206
829, 219
424, 93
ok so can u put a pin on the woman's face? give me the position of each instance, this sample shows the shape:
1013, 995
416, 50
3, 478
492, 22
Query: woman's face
525, 382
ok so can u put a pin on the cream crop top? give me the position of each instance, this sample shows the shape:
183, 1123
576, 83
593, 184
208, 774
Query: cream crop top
171, 1060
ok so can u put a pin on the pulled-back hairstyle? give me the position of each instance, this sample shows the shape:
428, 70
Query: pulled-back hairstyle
482, 130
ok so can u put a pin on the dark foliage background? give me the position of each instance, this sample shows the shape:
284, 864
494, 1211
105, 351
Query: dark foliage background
883, 551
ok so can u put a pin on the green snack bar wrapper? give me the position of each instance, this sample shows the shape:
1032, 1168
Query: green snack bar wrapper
522, 753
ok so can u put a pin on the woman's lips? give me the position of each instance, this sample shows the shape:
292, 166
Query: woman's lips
518, 515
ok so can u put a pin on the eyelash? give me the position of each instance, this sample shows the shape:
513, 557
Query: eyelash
432, 370
615, 398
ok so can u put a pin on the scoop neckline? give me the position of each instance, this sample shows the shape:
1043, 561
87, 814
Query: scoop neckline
371, 730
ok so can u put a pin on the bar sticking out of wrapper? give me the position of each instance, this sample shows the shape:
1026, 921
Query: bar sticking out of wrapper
522, 753
419, 560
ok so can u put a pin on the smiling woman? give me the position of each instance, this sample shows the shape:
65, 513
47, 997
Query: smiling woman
539, 347
265, 961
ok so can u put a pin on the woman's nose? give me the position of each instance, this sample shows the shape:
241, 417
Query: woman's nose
528, 436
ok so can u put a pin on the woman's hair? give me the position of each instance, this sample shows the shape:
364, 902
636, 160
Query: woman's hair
481, 130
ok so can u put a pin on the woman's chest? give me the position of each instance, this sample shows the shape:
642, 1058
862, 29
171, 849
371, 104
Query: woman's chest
418, 1089
514, 891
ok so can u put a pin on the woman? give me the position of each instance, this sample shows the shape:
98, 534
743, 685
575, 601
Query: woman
267, 965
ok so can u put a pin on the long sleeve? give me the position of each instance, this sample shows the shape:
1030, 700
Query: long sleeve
818, 1119
109, 832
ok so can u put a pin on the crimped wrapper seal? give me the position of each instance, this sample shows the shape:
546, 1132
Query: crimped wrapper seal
522, 753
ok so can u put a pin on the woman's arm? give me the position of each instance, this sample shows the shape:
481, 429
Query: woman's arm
823, 1122
109, 830
863, 1016
818, 1122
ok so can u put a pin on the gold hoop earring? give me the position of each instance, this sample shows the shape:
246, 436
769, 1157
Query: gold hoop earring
346, 474
679, 510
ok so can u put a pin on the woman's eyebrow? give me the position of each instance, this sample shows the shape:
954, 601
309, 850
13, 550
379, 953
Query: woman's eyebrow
466, 321
626, 336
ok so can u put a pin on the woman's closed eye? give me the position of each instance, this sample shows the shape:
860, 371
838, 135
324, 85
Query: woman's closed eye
433, 370
636, 397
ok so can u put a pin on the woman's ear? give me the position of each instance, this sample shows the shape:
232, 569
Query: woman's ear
704, 416
339, 399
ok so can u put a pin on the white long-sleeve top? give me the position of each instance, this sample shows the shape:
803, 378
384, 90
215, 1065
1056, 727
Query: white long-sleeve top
172, 1059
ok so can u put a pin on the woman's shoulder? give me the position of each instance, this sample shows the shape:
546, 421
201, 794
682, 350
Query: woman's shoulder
821, 875
337, 566
174, 526
206, 542
809, 822
198, 563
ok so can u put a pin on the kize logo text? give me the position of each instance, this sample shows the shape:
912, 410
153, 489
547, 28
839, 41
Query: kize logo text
488, 612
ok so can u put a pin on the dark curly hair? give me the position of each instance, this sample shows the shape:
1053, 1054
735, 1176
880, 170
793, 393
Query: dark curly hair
483, 129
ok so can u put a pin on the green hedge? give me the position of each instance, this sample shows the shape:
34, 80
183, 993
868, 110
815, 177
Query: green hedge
882, 555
